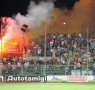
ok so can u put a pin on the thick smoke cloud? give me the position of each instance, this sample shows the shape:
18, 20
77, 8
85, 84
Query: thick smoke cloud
12, 31
37, 14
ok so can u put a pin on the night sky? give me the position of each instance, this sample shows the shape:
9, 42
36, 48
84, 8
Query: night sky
12, 7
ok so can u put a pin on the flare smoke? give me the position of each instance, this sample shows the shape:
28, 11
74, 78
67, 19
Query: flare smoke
36, 15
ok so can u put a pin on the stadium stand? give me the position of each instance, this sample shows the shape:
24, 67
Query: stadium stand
64, 52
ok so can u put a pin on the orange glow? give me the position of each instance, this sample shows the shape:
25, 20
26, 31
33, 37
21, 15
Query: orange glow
10, 47
14, 43
13, 40
1, 45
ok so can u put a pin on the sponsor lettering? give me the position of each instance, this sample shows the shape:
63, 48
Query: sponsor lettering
26, 78
77, 79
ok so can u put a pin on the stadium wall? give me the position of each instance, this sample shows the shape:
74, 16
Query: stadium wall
50, 78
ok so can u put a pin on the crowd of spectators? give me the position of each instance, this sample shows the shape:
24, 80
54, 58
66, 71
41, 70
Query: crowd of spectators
59, 49
65, 48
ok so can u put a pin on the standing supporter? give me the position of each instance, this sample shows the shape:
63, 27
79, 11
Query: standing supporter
39, 51
61, 51
1, 68
28, 52
94, 68
51, 44
14, 68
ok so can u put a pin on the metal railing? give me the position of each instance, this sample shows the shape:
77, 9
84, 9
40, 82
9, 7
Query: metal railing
49, 70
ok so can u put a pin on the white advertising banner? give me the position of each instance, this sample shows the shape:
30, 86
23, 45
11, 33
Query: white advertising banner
73, 78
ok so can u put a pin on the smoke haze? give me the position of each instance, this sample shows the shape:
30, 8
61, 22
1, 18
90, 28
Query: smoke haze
37, 14
79, 18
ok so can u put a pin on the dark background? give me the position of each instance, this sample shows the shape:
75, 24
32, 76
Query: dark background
11, 7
